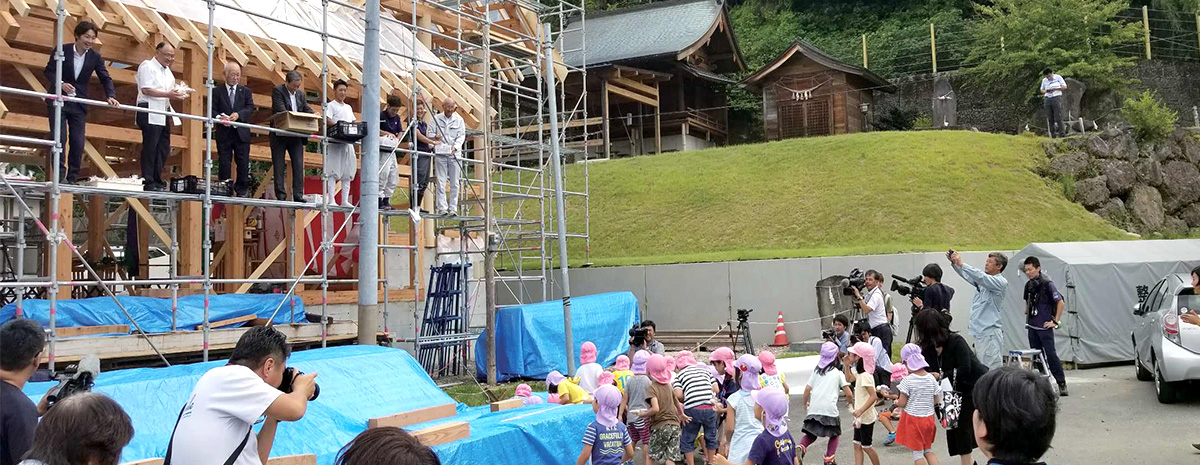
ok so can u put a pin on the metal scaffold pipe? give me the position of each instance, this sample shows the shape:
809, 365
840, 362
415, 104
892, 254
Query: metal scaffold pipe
556, 163
368, 257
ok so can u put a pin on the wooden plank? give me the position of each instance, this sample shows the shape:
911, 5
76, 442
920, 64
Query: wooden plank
313, 297
228, 321
304, 459
230, 46
95, 14
263, 57
130, 21
636, 86
289, 63
443, 433
413, 417
21, 6
306, 60
91, 330
632, 95
9, 27
507, 404
169, 34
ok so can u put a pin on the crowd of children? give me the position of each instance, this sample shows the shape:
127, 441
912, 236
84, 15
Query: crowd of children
662, 404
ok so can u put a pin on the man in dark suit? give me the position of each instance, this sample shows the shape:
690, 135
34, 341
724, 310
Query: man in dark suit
233, 102
288, 97
79, 62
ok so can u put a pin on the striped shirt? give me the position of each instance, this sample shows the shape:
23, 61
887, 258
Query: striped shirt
697, 386
608, 442
921, 391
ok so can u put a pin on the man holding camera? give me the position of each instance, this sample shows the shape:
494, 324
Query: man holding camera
984, 322
875, 305
216, 425
1044, 307
937, 295
646, 341
21, 344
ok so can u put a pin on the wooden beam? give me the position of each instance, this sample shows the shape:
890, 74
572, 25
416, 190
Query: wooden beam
234, 245
95, 14
289, 63
91, 330
632, 95
443, 433
507, 404
9, 27
657, 125
21, 6
65, 258
169, 34
263, 57
191, 216
230, 46
198, 37
413, 417
605, 124
130, 21
95, 229
635, 86
228, 321
305, 59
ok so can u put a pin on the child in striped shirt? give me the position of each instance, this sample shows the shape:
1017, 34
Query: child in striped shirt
920, 394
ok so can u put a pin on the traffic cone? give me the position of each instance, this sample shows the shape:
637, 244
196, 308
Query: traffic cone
780, 333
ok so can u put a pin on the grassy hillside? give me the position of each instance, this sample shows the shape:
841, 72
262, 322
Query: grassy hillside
873, 193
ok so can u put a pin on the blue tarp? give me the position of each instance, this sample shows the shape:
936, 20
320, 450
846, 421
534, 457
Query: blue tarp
530, 338
154, 314
357, 383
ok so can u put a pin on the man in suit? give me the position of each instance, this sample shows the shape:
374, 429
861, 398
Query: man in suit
79, 62
288, 97
233, 102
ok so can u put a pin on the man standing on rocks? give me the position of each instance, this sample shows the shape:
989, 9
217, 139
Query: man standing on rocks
1051, 89
984, 322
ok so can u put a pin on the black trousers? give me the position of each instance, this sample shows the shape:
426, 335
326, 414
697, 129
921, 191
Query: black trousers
1043, 340
422, 178
156, 146
230, 146
884, 333
74, 123
1054, 116
294, 148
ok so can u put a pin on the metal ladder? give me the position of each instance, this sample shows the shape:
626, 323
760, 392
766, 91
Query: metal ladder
443, 339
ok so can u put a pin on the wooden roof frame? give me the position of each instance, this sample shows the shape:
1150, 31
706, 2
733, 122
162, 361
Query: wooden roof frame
815, 54
720, 25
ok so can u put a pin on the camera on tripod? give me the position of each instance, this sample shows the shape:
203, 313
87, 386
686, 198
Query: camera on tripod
913, 288
743, 314
856, 280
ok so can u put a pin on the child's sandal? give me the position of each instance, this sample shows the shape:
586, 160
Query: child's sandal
830, 460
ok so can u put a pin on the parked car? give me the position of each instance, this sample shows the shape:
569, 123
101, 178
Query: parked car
1165, 349
159, 261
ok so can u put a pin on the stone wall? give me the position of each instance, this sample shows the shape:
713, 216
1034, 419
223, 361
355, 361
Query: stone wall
1147, 188
1176, 83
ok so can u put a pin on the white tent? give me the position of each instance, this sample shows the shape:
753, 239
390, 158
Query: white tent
1099, 281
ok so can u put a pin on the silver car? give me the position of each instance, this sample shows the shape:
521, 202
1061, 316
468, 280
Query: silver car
1165, 349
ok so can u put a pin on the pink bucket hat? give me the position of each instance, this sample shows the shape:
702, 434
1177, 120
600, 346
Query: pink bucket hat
606, 378
523, 390
899, 371
768, 362
622, 362
587, 353
867, 353
685, 359
672, 364
725, 355
656, 368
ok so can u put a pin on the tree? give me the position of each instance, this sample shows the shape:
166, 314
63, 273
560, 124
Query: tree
1076, 38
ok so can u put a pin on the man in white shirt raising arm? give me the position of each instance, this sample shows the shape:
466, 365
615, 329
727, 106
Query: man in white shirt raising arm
217, 423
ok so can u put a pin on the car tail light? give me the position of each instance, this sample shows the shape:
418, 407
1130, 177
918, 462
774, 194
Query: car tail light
1170, 324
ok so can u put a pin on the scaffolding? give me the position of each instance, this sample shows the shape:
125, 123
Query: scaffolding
488, 54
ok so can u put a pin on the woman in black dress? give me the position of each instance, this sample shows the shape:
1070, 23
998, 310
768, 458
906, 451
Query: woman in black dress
958, 364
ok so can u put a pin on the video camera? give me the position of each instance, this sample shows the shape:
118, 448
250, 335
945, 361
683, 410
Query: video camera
77, 378
856, 280
289, 377
912, 288
743, 314
637, 335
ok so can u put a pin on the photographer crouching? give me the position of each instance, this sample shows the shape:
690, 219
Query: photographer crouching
641, 337
878, 315
21, 343
217, 421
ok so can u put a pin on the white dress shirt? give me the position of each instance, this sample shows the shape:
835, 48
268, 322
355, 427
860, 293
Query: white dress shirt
79, 57
153, 75
1054, 82
453, 131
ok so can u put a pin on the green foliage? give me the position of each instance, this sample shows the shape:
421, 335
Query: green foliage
1076, 38
1151, 119
896, 119
1068, 186
923, 121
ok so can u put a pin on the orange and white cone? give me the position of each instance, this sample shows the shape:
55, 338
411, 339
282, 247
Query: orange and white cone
780, 333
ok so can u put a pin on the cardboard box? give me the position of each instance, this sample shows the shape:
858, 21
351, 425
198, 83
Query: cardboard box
295, 121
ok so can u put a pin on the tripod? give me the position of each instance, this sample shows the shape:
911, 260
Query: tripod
911, 317
742, 332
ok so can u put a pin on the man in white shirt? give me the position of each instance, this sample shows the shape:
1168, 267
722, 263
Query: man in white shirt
1051, 89
216, 424
453, 132
876, 307
340, 164
156, 87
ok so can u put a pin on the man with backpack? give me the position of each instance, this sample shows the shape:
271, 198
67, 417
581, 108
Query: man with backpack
1044, 307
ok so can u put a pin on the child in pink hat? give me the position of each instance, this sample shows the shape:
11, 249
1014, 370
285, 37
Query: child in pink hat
637, 389
891, 414
821, 401
589, 370
860, 370
568, 392
525, 393
621, 372
665, 413
770, 375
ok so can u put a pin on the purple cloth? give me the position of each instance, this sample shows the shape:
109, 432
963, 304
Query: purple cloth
769, 449
639, 362
775, 408
608, 400
750, 368
608, 442
829, 353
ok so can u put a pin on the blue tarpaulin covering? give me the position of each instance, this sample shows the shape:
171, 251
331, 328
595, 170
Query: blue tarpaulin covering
357, 383
530, 338
154, 314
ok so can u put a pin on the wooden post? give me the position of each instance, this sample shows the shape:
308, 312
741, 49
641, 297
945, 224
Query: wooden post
425, 23
864, 43
657, 121
933, 47
95, 217
191, 217
1146, 28
235, 258
143, 243
66, 209
604, 123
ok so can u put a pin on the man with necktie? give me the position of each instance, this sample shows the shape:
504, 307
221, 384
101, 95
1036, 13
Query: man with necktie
233, 102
